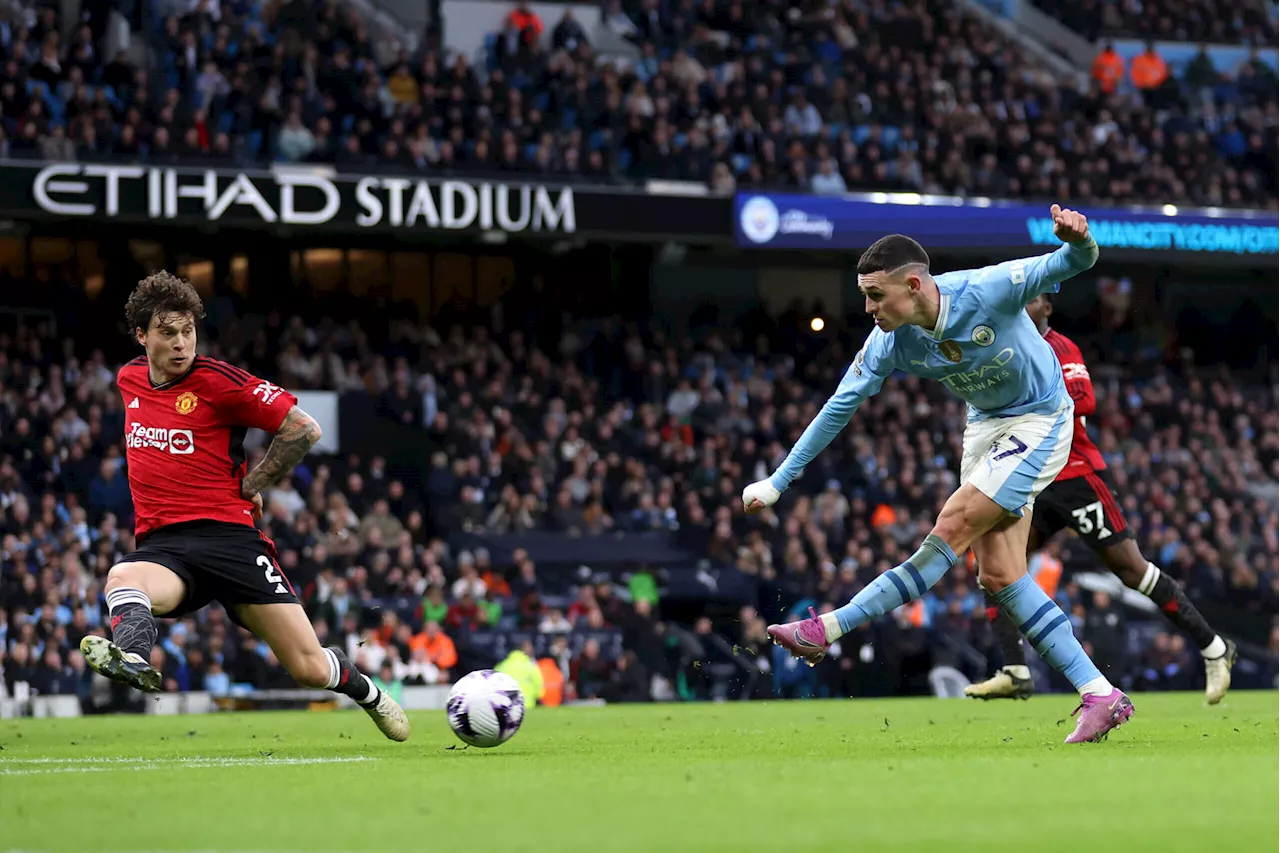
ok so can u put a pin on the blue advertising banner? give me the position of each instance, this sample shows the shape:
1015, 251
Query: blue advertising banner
853, 222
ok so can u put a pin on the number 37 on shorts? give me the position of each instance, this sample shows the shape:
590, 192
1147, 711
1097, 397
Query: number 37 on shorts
1012, 460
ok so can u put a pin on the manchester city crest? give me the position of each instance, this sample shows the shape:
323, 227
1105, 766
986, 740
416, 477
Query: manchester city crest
984, 336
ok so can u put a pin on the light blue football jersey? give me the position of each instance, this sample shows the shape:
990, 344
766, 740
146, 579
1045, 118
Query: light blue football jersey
985, 349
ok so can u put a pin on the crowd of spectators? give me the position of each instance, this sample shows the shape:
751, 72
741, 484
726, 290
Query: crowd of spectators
1216, 21
916, 96
602, 426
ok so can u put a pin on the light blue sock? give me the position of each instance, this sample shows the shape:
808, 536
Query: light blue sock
899, 585
1048, 629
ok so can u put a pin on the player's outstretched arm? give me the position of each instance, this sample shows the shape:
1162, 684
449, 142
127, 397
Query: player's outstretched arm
1013, 284
298, 433
862, 380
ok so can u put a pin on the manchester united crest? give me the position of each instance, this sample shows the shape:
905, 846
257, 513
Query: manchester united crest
186, 403
951, 350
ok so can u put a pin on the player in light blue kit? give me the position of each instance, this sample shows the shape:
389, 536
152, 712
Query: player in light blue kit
968, 330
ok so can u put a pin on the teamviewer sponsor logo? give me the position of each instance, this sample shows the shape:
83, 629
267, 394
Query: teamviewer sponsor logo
759, 219
181, 442
178, 442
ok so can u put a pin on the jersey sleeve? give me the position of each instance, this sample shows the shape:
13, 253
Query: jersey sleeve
1011, 285
871, 366
1076, 375
244, 400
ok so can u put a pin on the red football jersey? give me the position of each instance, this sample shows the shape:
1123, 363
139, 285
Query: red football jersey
184, 440
1085, 457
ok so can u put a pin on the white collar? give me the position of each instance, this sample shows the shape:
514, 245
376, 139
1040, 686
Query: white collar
944, 309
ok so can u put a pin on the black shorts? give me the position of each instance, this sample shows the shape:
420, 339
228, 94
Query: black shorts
1085, 504
218, 561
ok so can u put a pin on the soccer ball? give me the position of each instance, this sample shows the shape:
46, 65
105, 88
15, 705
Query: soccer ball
485, 708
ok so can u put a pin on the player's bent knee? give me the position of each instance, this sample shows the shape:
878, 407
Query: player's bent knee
1129, 577
966, 516
122, 575
162, 586
997, 577
288, 632
311, 669
1126, 563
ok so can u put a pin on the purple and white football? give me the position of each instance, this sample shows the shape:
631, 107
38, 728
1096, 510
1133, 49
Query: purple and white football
485, 708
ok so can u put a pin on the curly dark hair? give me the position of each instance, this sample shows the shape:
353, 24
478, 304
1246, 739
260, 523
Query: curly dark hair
161, 293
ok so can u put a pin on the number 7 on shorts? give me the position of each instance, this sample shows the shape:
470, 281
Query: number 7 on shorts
1017, 448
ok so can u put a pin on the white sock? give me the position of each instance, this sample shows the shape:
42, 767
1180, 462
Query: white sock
120, 596
335, 669
1148, 583
1018, 670
832, 626
1215, 649
1098, 687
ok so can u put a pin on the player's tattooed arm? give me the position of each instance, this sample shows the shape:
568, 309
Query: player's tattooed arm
297, 435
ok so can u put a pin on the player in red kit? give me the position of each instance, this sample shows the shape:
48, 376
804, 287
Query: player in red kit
1082, 498
196, 504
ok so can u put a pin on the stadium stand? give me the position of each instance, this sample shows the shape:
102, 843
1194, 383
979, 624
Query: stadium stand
1195, 21
916, 96
619, 430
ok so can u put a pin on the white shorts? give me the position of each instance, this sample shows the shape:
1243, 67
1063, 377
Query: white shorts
1012, 460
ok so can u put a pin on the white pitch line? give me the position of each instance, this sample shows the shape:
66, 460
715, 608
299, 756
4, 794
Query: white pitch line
40, 766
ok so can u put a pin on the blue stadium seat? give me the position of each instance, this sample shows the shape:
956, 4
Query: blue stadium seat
517, 638
490, 51
490, 643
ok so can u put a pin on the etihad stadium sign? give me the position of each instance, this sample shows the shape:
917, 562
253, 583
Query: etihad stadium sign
303, 198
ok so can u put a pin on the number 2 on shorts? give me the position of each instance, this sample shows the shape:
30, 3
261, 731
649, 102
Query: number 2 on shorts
269, 569
1017, 448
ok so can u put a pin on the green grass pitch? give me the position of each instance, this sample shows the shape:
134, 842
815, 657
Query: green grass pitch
866, 775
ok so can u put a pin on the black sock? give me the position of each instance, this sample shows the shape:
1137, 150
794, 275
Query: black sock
346, 679
133, 628
1007, 635
1179, 610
